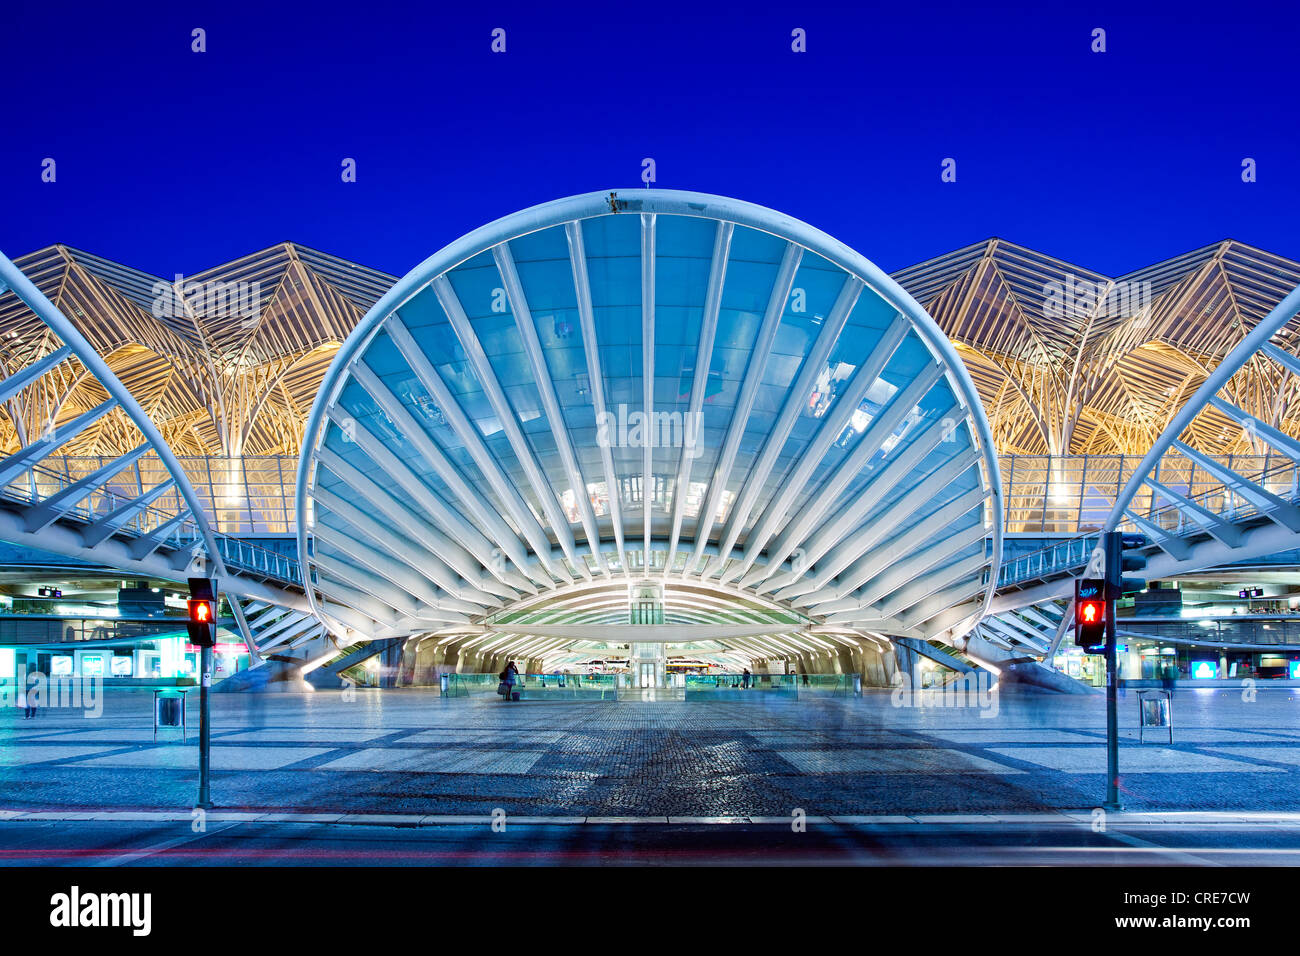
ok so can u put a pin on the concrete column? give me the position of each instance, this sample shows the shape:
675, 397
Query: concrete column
908, 662
408, 671
420, 663
390, 663
880, 666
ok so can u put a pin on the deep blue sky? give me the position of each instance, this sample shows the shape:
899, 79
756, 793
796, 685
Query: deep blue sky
173, 161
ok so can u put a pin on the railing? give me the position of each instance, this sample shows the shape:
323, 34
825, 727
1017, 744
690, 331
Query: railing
1281, 633
40, 482
1058, 558
702, 686
781, 683
239, 555
1068, 494
249, 495
831, 685
535, 686
55, 629
1068, 555
1062, 494
558, 686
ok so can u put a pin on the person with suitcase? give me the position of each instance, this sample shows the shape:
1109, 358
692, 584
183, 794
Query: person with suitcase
509, 677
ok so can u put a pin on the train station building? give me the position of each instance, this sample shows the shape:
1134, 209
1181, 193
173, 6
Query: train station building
648, 439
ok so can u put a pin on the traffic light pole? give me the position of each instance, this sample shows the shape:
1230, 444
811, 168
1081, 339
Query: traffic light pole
1114, 572
1095, 595
202, 629
1112, 713
205, 725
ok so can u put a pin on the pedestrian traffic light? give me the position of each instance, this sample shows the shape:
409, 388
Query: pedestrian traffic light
1123, 554
202, 625
202, 616
1090, 612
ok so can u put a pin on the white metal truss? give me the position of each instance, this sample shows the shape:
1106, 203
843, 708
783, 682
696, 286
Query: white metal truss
771, 631
471, 449
1247, 516
1035, 630
119, 515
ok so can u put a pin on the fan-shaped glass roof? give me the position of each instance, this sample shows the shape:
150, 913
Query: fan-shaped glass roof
650, 384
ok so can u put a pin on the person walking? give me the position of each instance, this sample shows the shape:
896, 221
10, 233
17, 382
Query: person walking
746, 677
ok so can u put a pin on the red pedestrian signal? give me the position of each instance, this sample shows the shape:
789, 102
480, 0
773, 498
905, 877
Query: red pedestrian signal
203, 618
1090, 608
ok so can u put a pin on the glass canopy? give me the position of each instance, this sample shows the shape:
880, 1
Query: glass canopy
654, 384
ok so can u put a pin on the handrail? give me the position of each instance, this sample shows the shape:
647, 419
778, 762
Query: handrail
1258, 337
238, 554
1073, 544
1044, 494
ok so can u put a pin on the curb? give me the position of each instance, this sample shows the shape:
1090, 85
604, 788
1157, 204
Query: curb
1054, 819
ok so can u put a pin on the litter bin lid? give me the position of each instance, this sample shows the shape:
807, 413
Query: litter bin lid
170, 691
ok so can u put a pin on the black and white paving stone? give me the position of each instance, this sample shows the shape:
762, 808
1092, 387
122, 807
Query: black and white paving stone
410, 752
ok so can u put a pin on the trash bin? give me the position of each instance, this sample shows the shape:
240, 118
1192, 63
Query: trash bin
169, 711
1155, 710
857, 685
442, 684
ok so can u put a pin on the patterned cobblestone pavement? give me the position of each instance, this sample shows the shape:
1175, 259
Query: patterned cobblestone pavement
409, 751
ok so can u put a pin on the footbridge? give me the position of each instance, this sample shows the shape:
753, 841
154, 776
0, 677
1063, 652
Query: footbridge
1239, 515
834, 490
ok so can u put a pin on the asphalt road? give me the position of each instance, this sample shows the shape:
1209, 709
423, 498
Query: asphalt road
1027, 841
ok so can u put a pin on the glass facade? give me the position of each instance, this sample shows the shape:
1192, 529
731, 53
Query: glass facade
1043, 494
664, 392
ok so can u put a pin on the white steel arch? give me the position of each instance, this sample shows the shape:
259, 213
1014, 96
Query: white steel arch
472, 446
588, 620
1246, 517
99, 517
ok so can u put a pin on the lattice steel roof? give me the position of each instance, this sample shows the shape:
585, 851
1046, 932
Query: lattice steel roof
227, 361
1104, 371
1100, 381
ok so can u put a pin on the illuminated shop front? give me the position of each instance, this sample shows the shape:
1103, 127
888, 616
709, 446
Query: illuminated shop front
164, 658
1156, 660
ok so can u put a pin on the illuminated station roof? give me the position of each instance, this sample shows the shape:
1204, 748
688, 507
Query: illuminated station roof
1076, 381
814, 443
1069, 361
797, 393
227, 362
